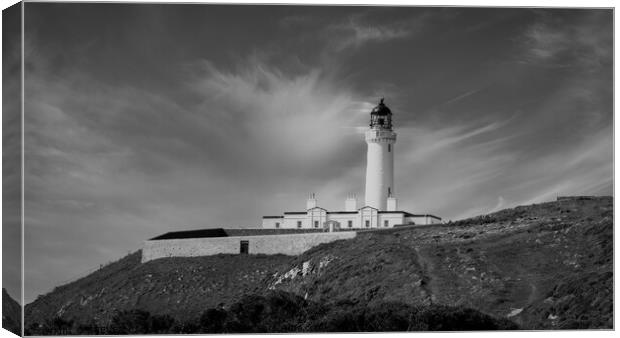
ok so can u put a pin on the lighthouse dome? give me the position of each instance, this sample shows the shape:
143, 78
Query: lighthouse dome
381, 117
381, 109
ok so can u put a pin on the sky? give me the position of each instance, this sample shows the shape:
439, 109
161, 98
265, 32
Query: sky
11, 152
142, 119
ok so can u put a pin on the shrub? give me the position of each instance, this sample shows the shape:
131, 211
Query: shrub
161, 324
278, 312
213, 320
447, 318
133, 322
387, 317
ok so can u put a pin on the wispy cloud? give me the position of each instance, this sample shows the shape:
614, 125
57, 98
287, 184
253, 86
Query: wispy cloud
358, 31
460, 97
569, 42
103, 159
356, 34
483, 168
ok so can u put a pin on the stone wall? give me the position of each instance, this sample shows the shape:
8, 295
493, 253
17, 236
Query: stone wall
293, 244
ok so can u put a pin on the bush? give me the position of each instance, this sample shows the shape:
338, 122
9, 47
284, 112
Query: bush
338, 320
275, 312
161, 324
213, 320
388, 317
130, 322
447, 318
140, 322
283, 312
278, 312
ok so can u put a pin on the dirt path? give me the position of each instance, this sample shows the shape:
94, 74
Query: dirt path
427, 267
533, 293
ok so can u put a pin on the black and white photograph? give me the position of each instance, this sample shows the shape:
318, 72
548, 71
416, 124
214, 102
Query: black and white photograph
225, 168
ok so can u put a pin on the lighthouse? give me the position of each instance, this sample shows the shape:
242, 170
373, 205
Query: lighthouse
380, 139
381, 208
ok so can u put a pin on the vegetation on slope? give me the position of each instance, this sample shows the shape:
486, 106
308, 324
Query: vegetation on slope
11, 314
545, 266
278, 312
179, 287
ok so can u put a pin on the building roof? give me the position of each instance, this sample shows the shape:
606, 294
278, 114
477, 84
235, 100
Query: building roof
202, 233
317, 208
273, 216
395, 212
425, 215
381, 109
220, 232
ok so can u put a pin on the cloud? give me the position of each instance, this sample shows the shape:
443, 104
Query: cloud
356, 32
358, 35
460, 97
580, 40
290, 120
484, 167
106, 160
465, 158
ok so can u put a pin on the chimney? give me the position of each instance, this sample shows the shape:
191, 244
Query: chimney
350, 204
392, 204
311, 203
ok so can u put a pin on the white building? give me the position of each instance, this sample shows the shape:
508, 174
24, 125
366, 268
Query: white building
380, 209
297, 231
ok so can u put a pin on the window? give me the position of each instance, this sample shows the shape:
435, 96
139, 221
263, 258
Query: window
244, 248
389, 148
389, 192
367, 223
316, 224
299, 224
350, 224
277, 224
386, 223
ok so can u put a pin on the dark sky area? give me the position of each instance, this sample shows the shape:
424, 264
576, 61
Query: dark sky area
142, 119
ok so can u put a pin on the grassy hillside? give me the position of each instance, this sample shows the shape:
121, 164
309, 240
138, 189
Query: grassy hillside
543, 266
11, 314
181, 287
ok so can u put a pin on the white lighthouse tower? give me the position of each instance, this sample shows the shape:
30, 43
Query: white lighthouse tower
381, 208
380, 158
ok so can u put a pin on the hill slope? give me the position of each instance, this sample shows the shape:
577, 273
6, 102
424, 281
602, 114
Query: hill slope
11, 314
541, 266
181, 287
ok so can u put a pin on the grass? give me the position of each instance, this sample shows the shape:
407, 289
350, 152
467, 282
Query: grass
544, 266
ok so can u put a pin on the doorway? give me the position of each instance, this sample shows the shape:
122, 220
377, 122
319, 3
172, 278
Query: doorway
245, 247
